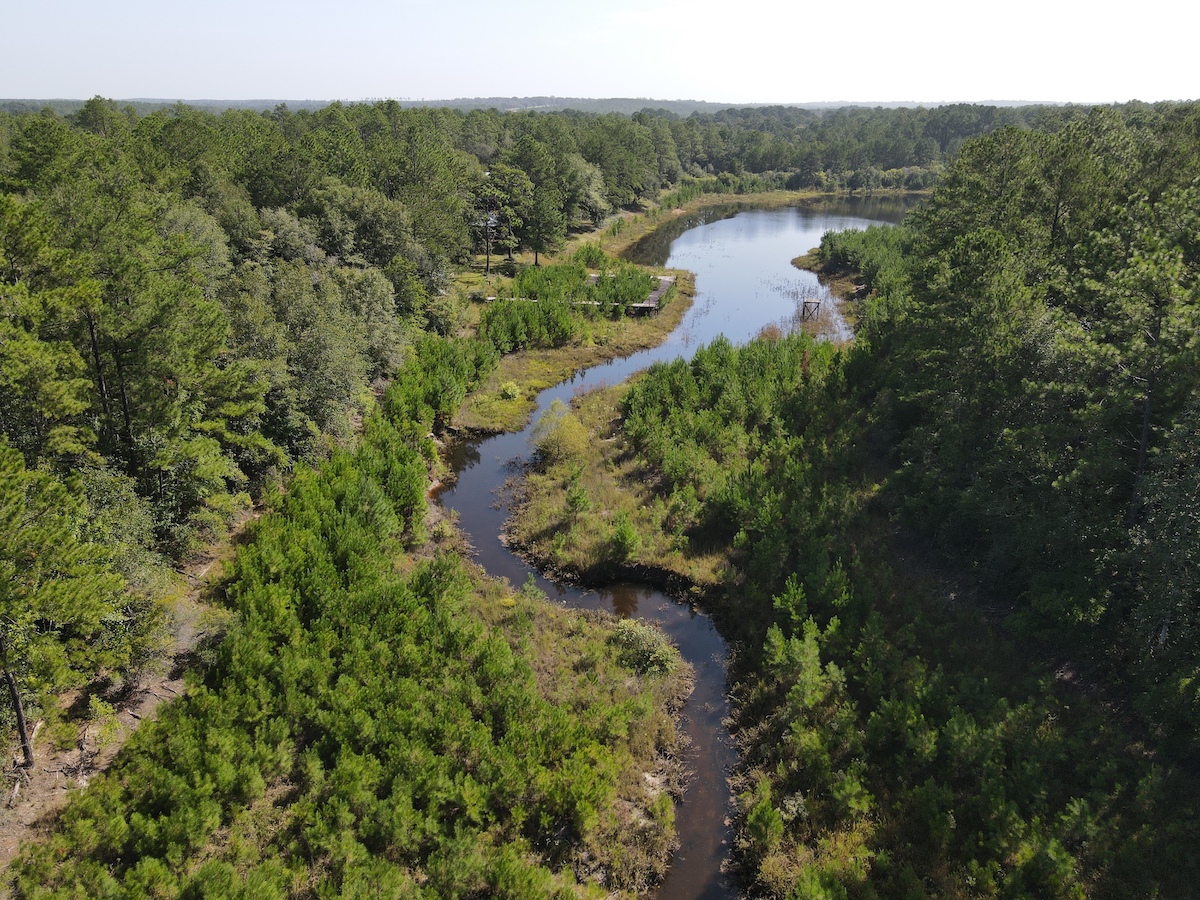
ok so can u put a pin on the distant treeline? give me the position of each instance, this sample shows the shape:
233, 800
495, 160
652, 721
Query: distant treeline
820, 145
67, 107
624, 105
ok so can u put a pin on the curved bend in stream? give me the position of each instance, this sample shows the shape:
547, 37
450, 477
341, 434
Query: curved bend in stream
744, 282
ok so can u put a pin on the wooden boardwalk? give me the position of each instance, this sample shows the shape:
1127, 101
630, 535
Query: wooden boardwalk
649, 305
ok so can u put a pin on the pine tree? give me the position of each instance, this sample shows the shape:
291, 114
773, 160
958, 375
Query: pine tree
57, 591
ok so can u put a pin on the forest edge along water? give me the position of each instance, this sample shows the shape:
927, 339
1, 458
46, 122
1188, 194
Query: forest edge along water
744, 283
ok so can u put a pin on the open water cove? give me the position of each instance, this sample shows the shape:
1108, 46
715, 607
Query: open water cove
744, 282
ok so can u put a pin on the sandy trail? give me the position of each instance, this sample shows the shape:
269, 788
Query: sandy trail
58, 772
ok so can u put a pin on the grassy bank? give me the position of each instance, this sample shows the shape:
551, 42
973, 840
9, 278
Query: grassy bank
587, 509
845, 286
583, 666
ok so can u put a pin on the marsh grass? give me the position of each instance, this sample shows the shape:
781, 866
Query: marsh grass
595, 511
582, 665
845, 287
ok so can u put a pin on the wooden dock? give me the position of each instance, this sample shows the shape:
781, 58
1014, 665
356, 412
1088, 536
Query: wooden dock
650, 304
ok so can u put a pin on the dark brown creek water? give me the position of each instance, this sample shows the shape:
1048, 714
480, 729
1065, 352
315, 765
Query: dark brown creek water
744, 282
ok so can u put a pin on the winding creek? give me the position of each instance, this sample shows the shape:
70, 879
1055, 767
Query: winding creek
744, 282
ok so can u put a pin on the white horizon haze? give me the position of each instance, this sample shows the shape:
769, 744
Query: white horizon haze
925, 52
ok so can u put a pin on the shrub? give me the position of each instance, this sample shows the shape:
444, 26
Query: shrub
591, 255
558, 435
642, 648
625, 539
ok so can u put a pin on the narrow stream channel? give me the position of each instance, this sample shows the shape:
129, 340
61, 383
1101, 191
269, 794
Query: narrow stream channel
744, 282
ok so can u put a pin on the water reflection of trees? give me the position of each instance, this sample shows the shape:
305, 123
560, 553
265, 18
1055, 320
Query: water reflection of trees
655, 248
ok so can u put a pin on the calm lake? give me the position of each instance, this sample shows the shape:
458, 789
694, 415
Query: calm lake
744, 282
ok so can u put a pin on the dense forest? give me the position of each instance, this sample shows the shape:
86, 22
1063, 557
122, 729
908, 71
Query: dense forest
1033, 366
1016, 419
195, 303
200, 312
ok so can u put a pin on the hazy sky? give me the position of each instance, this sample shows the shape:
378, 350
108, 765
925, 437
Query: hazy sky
744, 51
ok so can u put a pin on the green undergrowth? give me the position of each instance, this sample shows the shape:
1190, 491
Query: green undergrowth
381, 724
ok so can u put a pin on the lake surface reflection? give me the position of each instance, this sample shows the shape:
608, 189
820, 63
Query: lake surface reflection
744, 282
